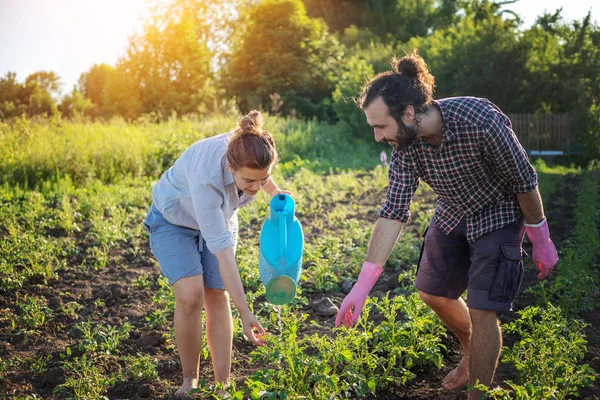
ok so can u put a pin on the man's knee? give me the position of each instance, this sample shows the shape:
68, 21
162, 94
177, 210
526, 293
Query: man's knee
483, 317
435, 302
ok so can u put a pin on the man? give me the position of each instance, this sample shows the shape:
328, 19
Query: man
465, 149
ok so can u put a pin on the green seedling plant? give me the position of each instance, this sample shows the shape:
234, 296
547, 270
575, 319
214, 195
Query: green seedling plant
84, 380
100, 337
141, 367
158, 318
548, 352
286, 349
527, 391
354, 361
34, 312
409, 337
38, 364
68, 216
164, 299
25, 256
143, 282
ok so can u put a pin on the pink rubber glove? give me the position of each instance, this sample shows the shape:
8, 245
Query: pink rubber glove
358, 295
545, 256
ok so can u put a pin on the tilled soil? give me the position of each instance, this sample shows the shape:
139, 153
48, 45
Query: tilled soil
109, 296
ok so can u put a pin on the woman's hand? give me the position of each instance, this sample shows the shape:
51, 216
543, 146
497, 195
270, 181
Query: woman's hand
279, 191
250, 323
273, 190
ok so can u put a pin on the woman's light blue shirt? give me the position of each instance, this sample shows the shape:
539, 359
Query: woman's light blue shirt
198, 192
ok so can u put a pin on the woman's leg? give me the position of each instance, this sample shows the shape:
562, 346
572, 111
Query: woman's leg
219, 332
189, 301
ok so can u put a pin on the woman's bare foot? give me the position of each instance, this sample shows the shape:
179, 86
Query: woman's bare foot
458, 377
222, 389
188, 384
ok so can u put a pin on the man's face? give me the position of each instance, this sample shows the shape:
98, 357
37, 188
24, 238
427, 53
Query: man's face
385, 127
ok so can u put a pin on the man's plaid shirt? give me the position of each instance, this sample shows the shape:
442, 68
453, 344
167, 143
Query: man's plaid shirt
476, 171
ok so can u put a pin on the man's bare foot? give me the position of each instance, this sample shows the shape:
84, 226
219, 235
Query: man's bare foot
188, 384
458, 377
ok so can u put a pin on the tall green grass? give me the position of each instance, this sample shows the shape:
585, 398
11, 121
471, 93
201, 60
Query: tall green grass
38, 151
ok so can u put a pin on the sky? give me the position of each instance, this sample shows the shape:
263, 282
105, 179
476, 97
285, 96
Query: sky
69, 36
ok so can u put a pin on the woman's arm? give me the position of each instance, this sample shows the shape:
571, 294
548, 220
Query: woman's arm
233, 283
231, 279
272, 189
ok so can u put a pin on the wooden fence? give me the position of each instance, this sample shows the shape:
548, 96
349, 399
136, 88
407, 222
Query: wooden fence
543, 132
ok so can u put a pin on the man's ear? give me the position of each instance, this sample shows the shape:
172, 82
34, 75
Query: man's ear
409, 114
229, 168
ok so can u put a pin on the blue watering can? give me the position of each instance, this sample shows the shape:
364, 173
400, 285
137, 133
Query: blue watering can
281, 248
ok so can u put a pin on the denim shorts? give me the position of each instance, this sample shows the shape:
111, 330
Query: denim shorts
180, 253
491, 268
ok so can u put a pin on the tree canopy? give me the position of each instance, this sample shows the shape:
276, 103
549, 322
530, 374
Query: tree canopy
309, 58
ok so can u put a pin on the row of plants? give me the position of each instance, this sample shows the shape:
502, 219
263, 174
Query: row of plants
551, 341
90, 229
93, 228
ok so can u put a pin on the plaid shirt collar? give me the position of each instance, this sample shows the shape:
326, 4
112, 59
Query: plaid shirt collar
448, 134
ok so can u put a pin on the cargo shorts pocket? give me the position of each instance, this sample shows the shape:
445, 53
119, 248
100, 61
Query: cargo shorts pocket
509, 273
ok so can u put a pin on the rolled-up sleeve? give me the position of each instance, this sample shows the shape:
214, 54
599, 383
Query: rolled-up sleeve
403, 182
509, 158
207, 201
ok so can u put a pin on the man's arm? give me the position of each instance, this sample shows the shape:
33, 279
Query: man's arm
531, 206
403, 182
508, 157
545, 255
383, 239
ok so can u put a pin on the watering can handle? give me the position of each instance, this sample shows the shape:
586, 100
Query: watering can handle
282, 241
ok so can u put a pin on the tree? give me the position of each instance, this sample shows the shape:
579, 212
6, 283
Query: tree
279, 49
46, 81
92, 85
170, 62
122, 95
34, 97
12, 97
478, 56
356, 71
390, 20
579, 71
74, 105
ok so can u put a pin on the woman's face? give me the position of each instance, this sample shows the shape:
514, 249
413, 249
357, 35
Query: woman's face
251, 180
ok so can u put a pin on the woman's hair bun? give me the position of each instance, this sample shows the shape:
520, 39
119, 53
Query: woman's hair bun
251, 123
250, 146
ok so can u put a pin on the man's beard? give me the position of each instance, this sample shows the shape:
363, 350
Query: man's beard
405, 136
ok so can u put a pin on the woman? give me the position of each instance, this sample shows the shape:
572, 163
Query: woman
193, 233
